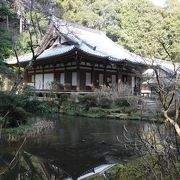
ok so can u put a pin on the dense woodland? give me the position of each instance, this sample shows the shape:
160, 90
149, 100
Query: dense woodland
138, 25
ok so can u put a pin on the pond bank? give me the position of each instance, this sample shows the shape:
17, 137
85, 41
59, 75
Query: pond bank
30, 130
88, 106
117, 113
106, 106
108, 114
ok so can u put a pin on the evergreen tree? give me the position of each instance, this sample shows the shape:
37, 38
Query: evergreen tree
99, 14
138, 25
8, 24
148, 30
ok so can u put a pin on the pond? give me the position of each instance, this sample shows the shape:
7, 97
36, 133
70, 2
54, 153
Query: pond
77, 145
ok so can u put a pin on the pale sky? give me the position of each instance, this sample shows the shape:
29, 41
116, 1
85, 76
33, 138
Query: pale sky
158, 2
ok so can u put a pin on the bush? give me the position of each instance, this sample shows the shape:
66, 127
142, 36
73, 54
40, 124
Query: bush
122, 102
134, 101
33, 106
7, 102
88, 101
105, 102
17, 117
63, 97
71, 108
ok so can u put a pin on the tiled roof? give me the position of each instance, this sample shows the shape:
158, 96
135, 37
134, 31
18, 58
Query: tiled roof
51, 52
90, 41
93, 42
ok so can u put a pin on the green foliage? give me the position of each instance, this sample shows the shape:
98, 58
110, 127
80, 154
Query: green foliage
5, 11
6, 36
99, 14
20, 105
122, 102
105, 102
146, 28
27, 166
5, 43
138, 25
94, 105
149, 166
96, 112
5, 70
17, 117
11, 103
71, 108
34, 32
88, 100
1, 84
6, 102
63, 97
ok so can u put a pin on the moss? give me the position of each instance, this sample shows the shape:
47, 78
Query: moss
31, 129
71, 108
105, 102
122, 102
26, 164
142, 167
94, 115
93, 106
21, 130
98, 178
77, 109
88, 101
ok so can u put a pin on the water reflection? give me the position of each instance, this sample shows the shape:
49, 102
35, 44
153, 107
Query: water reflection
78, 144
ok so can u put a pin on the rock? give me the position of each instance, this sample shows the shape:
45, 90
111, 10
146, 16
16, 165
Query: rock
118, 115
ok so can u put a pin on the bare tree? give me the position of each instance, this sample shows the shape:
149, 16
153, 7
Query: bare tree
36, 51
158, 145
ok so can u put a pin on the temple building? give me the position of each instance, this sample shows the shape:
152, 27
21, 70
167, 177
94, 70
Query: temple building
81, 59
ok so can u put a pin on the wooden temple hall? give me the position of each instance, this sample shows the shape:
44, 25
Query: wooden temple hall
81, 59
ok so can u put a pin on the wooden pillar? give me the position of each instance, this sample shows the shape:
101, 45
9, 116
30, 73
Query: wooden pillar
26, 77
105, 76
43, 76
119, 78
65, 76
93, 79
54, 71
34, 77
78, 71
133, 85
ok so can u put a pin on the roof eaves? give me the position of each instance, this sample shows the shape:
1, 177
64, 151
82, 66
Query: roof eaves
41, 57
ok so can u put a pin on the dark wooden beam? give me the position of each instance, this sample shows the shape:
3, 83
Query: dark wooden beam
43, 76
77, 58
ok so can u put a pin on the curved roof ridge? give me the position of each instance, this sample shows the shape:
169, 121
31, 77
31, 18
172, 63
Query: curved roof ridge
55, 19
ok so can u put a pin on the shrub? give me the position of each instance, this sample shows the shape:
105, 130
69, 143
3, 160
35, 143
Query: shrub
7, 102
70, 107
63, 97
24, 97
32, 106
122, 102
17, 117
134, 101
88, 101
1, 84
12, 103
105, 102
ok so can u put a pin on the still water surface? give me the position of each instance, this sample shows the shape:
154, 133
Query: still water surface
76, 144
